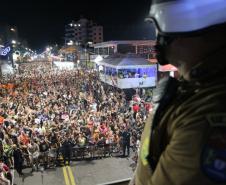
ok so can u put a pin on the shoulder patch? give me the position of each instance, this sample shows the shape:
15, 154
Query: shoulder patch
213, 158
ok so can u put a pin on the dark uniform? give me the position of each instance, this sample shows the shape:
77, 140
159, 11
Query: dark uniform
184, 143
126, 142
66, 151
18, 160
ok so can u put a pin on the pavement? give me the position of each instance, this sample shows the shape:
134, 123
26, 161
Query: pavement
86, 172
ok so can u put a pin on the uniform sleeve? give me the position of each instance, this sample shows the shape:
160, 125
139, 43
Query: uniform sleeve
179, 164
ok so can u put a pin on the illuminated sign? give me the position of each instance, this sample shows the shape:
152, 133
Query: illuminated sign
5, 51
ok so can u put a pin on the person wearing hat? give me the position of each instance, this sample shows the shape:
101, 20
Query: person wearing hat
184, 143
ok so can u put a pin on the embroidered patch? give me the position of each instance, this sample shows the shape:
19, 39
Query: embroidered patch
213, 159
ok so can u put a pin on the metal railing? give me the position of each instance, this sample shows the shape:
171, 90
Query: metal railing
118, 182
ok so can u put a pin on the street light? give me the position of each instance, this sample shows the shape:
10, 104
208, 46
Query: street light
12, 29
70, 43
13, 42
47, 49
78, 62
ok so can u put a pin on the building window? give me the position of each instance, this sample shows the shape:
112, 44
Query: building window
111, 50
105, 51
95, 50
126, 48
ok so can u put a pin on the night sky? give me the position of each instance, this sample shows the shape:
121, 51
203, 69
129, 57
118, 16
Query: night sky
42, 22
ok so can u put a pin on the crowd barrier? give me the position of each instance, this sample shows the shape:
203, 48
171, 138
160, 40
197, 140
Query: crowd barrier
55, 156
94, 151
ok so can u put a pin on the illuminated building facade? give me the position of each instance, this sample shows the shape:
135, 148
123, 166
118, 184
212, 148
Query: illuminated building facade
82, 32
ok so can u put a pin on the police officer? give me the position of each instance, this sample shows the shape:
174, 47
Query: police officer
126, 141
184, 142
67, 150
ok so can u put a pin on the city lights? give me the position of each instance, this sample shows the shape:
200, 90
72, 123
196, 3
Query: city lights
70, 43
12, 29
48, 49
13, 42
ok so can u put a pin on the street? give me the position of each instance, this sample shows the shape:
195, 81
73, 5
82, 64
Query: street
80, 173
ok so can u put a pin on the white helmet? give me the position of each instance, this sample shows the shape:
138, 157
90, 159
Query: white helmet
182, 16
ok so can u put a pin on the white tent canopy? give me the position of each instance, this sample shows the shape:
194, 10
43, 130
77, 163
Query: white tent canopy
127, 71
120, 61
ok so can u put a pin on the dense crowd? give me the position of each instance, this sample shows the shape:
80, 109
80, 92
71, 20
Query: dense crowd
46, 113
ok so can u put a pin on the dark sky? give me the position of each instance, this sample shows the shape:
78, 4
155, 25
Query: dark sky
42, 22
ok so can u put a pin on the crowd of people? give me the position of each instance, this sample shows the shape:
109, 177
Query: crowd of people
47, 113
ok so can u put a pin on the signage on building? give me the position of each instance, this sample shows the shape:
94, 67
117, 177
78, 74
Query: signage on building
5, 51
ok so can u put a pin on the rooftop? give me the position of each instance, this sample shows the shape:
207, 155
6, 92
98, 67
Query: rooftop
124, 60
133, 42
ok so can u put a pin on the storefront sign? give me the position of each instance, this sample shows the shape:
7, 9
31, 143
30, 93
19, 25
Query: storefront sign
5, 51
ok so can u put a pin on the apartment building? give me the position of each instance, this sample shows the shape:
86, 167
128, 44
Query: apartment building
82, 32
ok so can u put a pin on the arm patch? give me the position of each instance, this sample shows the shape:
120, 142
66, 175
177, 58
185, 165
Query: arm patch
213, 158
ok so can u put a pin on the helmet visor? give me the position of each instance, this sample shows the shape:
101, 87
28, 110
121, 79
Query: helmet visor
184, 16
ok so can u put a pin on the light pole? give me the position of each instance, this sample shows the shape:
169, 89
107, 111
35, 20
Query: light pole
13, 44
86, 58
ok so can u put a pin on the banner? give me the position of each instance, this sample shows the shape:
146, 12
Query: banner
5, 51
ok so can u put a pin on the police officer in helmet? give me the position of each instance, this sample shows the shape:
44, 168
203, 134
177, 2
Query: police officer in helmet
184, 141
